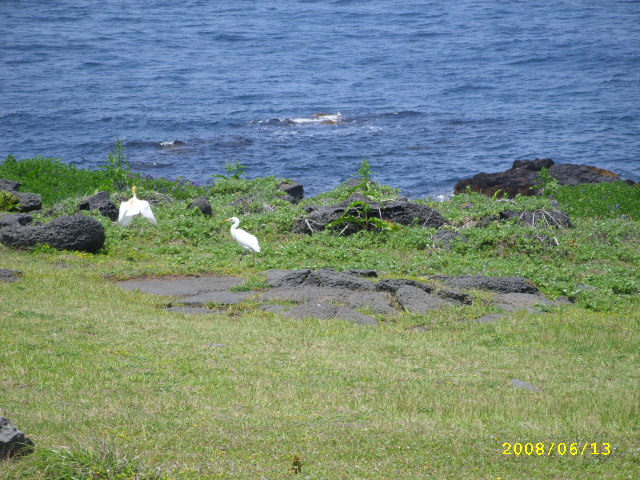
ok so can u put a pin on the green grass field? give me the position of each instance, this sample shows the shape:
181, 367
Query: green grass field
110, 385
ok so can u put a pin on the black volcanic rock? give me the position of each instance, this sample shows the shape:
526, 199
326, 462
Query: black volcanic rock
294, 191
101, 202
400, 212
524, 175
203, 204
12, 441
27, 202
76, 232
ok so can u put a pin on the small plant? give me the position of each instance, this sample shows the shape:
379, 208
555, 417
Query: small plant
548, 183
117, 168
360, 213
234, 171
296, 464
368, 186
8, 201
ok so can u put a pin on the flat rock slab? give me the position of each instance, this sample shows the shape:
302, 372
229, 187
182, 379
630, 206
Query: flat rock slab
512, 302
416, 300
328, 311
524, 385
328, 294
195, 310
7, 275
494, 284
218, 298
182, 286
376, 301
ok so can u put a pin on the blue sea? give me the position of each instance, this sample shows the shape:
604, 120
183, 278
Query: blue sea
429, 92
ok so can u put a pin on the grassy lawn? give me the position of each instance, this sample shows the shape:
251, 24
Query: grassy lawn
110, 385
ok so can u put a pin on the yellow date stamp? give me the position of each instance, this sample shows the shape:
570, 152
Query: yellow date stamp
561, 448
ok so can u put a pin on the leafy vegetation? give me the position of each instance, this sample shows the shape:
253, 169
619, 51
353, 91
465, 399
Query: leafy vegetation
548, 183
111, 385
8, 201
601, 200
51, 178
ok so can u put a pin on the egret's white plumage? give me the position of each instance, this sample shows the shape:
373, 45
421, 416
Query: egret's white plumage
245, 239
133, 207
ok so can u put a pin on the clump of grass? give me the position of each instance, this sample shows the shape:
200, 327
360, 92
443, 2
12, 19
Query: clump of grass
99, 463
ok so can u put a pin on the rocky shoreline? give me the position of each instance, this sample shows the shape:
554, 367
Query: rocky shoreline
79, 232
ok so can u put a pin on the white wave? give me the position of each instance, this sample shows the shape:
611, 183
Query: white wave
319, 118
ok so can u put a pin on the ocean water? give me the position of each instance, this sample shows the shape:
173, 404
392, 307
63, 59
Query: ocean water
428, 92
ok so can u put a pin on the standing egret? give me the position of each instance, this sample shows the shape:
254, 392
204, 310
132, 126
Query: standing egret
245, 239
133, 207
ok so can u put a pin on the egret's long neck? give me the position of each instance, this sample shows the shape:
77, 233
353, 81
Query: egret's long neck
134, 189
235, 225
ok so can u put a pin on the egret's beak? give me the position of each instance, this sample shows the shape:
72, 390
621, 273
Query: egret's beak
228, 220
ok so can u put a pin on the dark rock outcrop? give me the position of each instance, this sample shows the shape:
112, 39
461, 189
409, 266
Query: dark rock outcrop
9, 185
76, 232
294, 191
392, 285
524, 175
101, 202
12, 441
400, 212
27, 202
203, 204
12, 219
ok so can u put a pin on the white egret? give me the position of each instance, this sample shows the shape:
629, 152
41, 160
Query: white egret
133, 207
245, 239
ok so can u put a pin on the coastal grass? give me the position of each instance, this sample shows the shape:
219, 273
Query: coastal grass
111, 385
